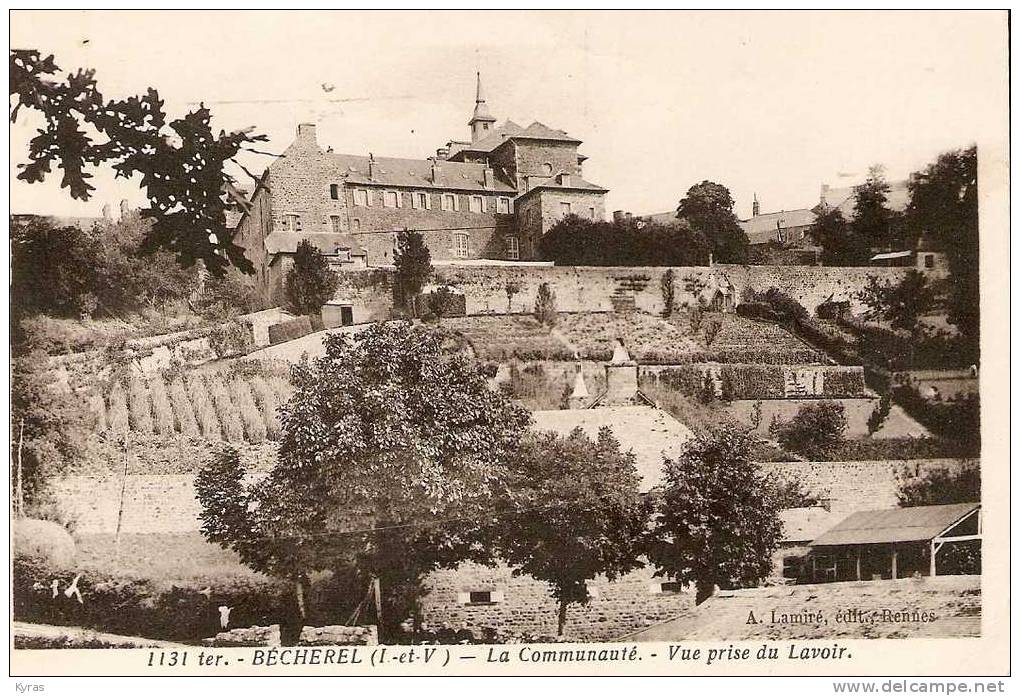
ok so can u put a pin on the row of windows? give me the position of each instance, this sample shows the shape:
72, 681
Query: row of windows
421, 200
484, 597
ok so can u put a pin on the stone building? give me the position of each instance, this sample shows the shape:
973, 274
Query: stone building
491, 197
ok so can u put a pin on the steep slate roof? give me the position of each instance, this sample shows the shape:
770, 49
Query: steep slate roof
804, 524
920, 523
576, 183
326, 242
648, 432
762, 228
509, 130
415, 173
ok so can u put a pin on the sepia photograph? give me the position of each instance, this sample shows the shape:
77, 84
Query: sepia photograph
508, 342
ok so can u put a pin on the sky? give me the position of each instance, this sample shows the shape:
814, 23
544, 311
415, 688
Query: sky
772, 104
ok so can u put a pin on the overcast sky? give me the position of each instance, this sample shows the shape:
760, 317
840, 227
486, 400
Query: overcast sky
769, 103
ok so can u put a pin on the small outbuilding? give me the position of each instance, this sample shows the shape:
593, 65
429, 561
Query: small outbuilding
898, 543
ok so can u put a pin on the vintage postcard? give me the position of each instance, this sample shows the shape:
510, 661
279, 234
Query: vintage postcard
509, 343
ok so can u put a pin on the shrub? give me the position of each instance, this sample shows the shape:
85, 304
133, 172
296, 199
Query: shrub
289, 330
881, 412
251, 416
184, 417
939, 486
139, 408
840, 383
231, 339
162, 410
668, 286
545, 305
814, 431
205, 413
226, 410
177, 611
755, 381
117, 411
41, 541
958, 419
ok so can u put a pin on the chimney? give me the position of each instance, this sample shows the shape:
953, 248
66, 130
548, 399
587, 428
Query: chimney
618, 216
621, 378
306, 133
435, 171
579, 397
442, 153
564, 179
489, 178
755, 207
371, 166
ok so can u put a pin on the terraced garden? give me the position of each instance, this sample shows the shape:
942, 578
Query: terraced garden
507, 337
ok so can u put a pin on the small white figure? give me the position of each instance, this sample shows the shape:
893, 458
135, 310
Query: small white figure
224, 616
55, 586
72, 589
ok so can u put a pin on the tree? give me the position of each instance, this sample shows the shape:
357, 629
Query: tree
48, 426
545, 305
902, 304
873, 222
576, 513
841, 245
880, 414
943, 205
718, 521
815, 431
708, 208
668, 285
940, 486
52, 268
413, 263
512, 288
181, 162
310, 283
441, 301
577, 241
391, 455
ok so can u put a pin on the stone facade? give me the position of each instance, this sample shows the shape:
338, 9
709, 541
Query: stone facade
464, 200
519, 603
601, 289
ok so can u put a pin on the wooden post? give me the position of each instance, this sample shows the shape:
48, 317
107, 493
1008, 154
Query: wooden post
19, 499
933, 552
894, 564
858, 563
377, 591
120, 510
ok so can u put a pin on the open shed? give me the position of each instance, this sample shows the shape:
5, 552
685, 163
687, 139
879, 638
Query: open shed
894, 543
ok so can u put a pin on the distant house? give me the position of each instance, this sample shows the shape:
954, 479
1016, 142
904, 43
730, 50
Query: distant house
801, 526
927, 257
845, 200
893, 543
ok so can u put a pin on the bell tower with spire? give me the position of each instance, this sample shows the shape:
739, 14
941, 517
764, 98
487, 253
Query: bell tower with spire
482, 120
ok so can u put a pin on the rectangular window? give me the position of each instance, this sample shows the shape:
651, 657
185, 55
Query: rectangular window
460, 246
355, 224
477, 204
334, 191
344, 255
667, 587
449, 201
564, 208
334, 223
791, 567
290, 223
420, 200
360, 197
480, 597
591, 213
390, 199
513, 250
503, 205
929, 260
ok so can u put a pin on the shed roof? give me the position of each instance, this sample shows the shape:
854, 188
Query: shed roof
920, 523
650, 433
891, 255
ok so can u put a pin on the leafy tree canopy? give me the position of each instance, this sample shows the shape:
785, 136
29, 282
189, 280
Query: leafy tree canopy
708, 208
180, 162
386, 432
576, 513
413, 262
941, 486
902, 304
310, 282
577, 241
718, 520
841, 244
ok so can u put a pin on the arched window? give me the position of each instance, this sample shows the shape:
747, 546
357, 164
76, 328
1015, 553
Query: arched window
547, 169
